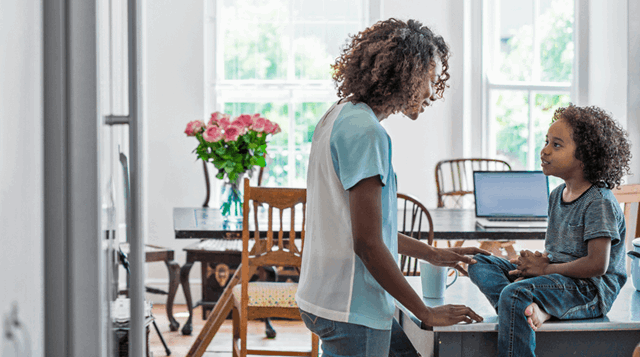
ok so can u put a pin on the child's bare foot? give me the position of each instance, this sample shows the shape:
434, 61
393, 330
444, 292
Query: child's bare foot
535, 316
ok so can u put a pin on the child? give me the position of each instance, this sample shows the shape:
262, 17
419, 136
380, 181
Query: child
582, 269
350, 275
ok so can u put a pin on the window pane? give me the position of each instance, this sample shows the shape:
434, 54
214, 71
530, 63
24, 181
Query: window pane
312, 58
320, 10
307, 116
255, 39
514, 56
511, 118
276, 172
556, 44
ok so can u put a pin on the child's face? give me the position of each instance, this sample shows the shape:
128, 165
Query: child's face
558, 154
433, 76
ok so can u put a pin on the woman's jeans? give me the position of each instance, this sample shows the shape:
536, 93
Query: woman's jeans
345, 339
560, 296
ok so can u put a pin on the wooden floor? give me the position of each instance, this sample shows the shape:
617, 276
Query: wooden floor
292, 335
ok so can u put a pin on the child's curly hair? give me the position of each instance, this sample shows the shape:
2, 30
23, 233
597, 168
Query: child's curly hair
601, 144
386, 66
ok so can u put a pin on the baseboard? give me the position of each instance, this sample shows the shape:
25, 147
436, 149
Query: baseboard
163, 284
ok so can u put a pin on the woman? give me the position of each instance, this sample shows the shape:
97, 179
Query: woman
350, 275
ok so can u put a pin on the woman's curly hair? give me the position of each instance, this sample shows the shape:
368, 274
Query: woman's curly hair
386, 66
601, 144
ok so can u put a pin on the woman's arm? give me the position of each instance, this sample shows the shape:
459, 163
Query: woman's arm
594, 264
366, 224
449, 257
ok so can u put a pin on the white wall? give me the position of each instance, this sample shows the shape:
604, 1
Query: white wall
608, 57
21, 170
419, 145
174, 80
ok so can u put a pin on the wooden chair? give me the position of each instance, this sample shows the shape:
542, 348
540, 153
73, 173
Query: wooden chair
628, 195
636, 351
255, 300
454, 182
256, 252
415, 215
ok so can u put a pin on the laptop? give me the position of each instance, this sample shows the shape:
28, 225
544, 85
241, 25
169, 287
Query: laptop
511, 199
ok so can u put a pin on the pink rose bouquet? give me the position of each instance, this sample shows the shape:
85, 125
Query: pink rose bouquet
233, 146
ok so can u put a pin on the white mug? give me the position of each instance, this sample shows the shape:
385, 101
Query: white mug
434, 280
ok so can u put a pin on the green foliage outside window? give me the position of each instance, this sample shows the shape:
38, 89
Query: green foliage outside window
511, 108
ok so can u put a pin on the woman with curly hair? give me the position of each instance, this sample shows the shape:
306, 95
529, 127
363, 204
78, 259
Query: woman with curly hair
582, 269
350, 275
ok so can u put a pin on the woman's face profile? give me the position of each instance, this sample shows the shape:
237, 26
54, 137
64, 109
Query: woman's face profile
433, 76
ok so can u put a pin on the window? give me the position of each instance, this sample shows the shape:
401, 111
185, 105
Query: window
273, 57
529, 54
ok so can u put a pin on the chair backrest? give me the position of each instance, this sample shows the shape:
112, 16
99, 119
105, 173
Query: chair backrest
416, 223
628, 195
260, 250
454, 179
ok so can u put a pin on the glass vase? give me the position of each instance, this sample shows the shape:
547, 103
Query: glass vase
231, 199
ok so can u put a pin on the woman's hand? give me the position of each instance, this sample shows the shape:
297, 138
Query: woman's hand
530, 264
451, 257
447, 315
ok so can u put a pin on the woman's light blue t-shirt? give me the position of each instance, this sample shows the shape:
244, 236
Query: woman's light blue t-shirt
349, 145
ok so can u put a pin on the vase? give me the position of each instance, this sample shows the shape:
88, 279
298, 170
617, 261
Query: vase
231, 199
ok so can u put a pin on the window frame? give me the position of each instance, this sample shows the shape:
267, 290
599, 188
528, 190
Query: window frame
575, 89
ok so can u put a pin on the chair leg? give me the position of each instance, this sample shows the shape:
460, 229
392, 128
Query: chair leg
508, 248
166, 348
315, 344
268, 328
243, 335
235, 332
456, 244
491, 246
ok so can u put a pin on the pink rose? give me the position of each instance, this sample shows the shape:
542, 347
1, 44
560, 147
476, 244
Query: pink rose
276, 129
212, 134
271, 127
194, 127
216, 117
259, 125
231, 133
244, 120
224, 122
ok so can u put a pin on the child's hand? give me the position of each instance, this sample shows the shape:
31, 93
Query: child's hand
530, 264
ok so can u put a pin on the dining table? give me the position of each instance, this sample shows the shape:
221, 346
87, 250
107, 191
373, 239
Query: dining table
218, 246
448, 224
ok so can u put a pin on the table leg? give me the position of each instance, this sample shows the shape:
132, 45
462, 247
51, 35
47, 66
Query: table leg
174, 282
184, 280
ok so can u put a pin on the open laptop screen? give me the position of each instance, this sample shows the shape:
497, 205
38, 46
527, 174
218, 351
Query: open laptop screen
511, 193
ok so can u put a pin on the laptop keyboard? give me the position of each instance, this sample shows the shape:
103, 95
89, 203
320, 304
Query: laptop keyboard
516, 219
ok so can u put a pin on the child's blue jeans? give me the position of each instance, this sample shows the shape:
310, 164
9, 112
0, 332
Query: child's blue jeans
345, 339
560, 296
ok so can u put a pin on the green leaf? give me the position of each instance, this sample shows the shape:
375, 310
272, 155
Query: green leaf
260, 161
